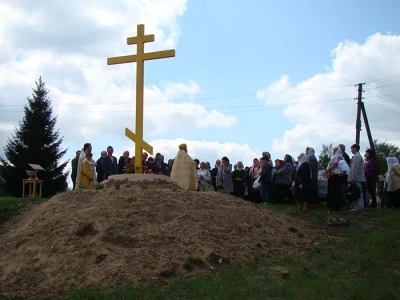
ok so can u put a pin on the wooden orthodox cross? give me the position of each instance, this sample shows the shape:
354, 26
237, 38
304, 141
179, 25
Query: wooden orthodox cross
139, 58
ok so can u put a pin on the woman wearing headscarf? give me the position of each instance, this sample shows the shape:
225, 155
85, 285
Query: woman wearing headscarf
303, 182
251, 176
184, 173
392, 182
123, 160
203, 175
238, 180
312, 160
283, 179
336, 179
224, 176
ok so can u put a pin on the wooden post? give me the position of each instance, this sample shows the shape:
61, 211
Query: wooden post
139, 58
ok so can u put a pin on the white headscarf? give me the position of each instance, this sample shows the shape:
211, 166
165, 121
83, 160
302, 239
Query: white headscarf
311, 151
304, 158
337, 156
390, 162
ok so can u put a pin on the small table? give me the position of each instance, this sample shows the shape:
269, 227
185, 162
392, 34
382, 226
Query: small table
33, 185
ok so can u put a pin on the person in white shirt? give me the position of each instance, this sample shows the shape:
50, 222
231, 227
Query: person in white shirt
204, 174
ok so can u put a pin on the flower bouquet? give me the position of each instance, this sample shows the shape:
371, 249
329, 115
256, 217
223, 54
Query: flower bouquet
129, 168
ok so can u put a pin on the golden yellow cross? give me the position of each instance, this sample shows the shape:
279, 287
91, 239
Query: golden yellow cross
139, 58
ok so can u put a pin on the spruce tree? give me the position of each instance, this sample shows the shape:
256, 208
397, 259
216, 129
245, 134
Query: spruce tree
35, 141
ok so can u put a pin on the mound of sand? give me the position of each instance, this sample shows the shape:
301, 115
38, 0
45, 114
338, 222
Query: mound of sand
138, 234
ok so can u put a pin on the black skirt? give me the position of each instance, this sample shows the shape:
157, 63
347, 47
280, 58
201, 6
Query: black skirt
335, 196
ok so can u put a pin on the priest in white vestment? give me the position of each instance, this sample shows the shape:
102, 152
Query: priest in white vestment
184, 172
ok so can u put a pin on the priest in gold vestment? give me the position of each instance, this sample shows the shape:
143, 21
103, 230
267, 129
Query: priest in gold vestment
184, 172
86, 174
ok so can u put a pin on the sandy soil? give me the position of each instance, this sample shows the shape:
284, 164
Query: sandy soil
142, 233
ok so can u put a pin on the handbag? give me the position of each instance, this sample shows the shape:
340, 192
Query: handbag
337, 171
353, 192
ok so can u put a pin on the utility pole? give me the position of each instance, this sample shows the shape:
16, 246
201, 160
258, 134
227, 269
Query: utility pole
361, 110
358, 120
366, 123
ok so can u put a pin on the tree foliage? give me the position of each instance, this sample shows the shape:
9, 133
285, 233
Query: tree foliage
35, 141
383, 151
325, 154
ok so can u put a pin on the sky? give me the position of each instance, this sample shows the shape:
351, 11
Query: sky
248, 76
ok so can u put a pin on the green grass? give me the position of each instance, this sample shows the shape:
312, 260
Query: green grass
10, 207
361, 261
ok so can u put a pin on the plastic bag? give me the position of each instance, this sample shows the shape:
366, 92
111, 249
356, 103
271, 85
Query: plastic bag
256, 184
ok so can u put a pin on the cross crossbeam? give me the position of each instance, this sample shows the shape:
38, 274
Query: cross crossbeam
147, 56
139, 59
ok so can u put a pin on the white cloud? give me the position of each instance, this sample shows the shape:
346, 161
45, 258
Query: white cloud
328, 111
67, 43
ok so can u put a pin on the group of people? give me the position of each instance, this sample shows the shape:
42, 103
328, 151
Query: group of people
86, 172
350, 180
264, 182
353, 181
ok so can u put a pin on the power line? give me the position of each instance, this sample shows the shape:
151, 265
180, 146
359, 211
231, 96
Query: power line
229, 94
388, 85
396, 75
380, 106
390, 96
207, 108
375, 95
384, 108
121, 103
244, 110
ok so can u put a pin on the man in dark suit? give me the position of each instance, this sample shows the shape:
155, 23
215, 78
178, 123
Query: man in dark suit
109, 163
74, 165
99, 167
344, 154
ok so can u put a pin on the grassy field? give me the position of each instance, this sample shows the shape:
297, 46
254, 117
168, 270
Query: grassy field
360, 261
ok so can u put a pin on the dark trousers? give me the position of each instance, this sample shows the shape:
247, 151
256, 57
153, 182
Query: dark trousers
372, 194
394, 199
239, 191
73, 182
99, 177
265, 191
